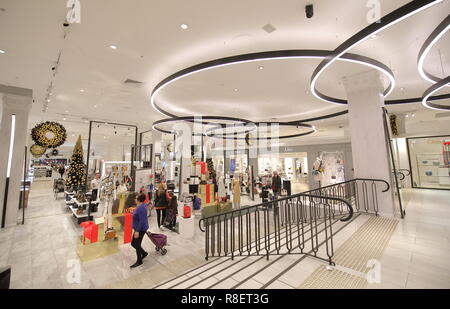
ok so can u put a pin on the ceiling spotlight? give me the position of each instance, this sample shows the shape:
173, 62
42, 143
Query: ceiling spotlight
113, 46
2, 51
106, 123
261, 67
81, 90
413, 115
64, 118
407, 116
184, 26
402, 89
95, 106
47, 100
374, 37
236, 90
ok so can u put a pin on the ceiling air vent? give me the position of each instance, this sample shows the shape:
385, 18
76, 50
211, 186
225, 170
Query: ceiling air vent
269, 28
132, 82
442, 115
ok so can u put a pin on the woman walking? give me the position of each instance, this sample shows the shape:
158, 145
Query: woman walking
140, 226
161, 203
172, 212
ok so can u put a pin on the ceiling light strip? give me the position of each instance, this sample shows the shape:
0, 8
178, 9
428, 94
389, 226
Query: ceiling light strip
440, 30
302, 125
436, 87
390, 19
265, 56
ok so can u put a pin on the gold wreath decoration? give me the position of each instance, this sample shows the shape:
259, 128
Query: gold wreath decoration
37, 150
39, 134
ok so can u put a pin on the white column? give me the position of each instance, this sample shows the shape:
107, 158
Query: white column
369, 147
15, 101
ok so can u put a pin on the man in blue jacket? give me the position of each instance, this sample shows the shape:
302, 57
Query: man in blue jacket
140, 226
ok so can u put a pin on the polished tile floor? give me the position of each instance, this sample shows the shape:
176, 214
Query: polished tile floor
40, 252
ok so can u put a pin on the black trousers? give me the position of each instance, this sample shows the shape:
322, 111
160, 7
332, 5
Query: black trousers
161, 219
136, 244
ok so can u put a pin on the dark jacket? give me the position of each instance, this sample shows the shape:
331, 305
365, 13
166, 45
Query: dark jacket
161, 200
276, 184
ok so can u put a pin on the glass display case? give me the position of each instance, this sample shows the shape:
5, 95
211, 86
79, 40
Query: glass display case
429, 160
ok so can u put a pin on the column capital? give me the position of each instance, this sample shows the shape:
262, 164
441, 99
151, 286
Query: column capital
363, 81
16, 102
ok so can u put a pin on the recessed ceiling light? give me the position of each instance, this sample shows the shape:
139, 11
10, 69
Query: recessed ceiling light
81, 90
47, 100
413, 115
95, 106
236, 90
374, 37
64, 119
402, 89
184, 26
2, 51
407, 116
67, 111
260, 67
113, 46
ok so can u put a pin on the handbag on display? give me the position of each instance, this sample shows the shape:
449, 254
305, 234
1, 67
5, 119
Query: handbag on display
186, 211
110, 234
197, 203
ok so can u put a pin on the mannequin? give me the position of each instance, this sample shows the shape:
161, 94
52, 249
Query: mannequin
236, 187
221, 185
318, 169
108, 195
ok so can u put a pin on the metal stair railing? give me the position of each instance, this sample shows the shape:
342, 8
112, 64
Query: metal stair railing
257, 230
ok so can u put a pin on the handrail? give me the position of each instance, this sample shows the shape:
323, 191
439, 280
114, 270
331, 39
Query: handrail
296, 217
351, 180
405, 169
349, 206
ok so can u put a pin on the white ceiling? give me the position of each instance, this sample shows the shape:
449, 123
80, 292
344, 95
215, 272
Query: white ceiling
151, 46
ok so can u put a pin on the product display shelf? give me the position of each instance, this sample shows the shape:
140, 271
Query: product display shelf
83, 216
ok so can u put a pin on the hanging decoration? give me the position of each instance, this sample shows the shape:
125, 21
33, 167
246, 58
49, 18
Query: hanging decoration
394, 124
49, 134
37, 150
76, 176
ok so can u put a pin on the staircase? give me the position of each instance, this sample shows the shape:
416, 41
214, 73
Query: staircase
256, 272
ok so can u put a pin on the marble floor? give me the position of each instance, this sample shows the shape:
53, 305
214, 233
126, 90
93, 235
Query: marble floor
42, 253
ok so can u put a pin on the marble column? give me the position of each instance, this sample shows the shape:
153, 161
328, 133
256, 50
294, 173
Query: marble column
14, 101
369, 144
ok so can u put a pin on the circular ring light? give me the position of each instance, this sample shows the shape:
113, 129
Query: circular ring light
264, 56
199, 119
303, 125
444, 82
440, 30
390, 19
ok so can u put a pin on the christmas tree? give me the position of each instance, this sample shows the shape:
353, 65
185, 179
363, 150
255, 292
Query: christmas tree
210, 167
76, 176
